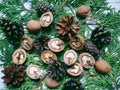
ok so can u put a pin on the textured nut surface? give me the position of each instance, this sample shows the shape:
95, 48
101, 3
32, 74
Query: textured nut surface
102, 66
33, 71
86, 60
19, 56
77, 42
75, 70
26, 42
56, 45
51, 83
70, 57
46, 19
33, 25
48, 56
83, 10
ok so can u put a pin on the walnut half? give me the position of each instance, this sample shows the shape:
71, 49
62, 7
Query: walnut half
19, 56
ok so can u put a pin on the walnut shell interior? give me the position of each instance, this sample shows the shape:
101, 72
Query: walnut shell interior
56, 45
27, 42
19, 56
48, 56
77, 42
33, 71
46, 19
86, 60
70, 57
75, 70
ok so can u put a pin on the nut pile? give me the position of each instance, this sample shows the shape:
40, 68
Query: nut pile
73, 63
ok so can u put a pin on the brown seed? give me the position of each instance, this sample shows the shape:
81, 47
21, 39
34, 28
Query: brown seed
56, 45
70, 57
19, 56
33, 26
102, 66
75, 70
26, 42
33, 71
48, 56
86, 60
46, 19
83, 10
51, 83
77, 42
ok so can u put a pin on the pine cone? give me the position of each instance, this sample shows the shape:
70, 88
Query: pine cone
92, 49
41, 43
13, 31
67, 26
100, 37
43, 7
14, 75
57, 70
73, 84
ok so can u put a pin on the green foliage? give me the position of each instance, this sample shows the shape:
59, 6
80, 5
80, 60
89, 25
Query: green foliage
104, 15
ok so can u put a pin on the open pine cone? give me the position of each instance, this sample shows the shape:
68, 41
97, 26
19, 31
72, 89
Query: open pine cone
41, 43
14, 75
67, 26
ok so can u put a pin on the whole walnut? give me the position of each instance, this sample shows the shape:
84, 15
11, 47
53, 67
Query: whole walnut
102, 66
33, 26
83, 10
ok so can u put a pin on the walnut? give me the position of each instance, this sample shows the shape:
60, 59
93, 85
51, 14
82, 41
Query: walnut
83, 10
70, 57
33, 26
19, 56
26, 42
46, 19
102, 66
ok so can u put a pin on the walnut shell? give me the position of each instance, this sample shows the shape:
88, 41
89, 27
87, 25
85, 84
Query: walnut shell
19, 56
77, 42
83, 10
56, 45
75, 70
33, 26
46, 19
33, 71
48, 56
26, 42
86, 60
70, 57
102, 66
51, 83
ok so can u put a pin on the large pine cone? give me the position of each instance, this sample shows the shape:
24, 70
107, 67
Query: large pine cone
92, 49
67, 26
43, 7
13, 31
41, 43
73, 84
100, 37
14, 75
57, 70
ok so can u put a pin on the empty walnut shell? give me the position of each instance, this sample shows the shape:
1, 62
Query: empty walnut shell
26, 42
51, 83
33, 71
48, 56
56, 45
70, 57
75, 70
83, 10
77, 42
19, 56
46, 19
86, 60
